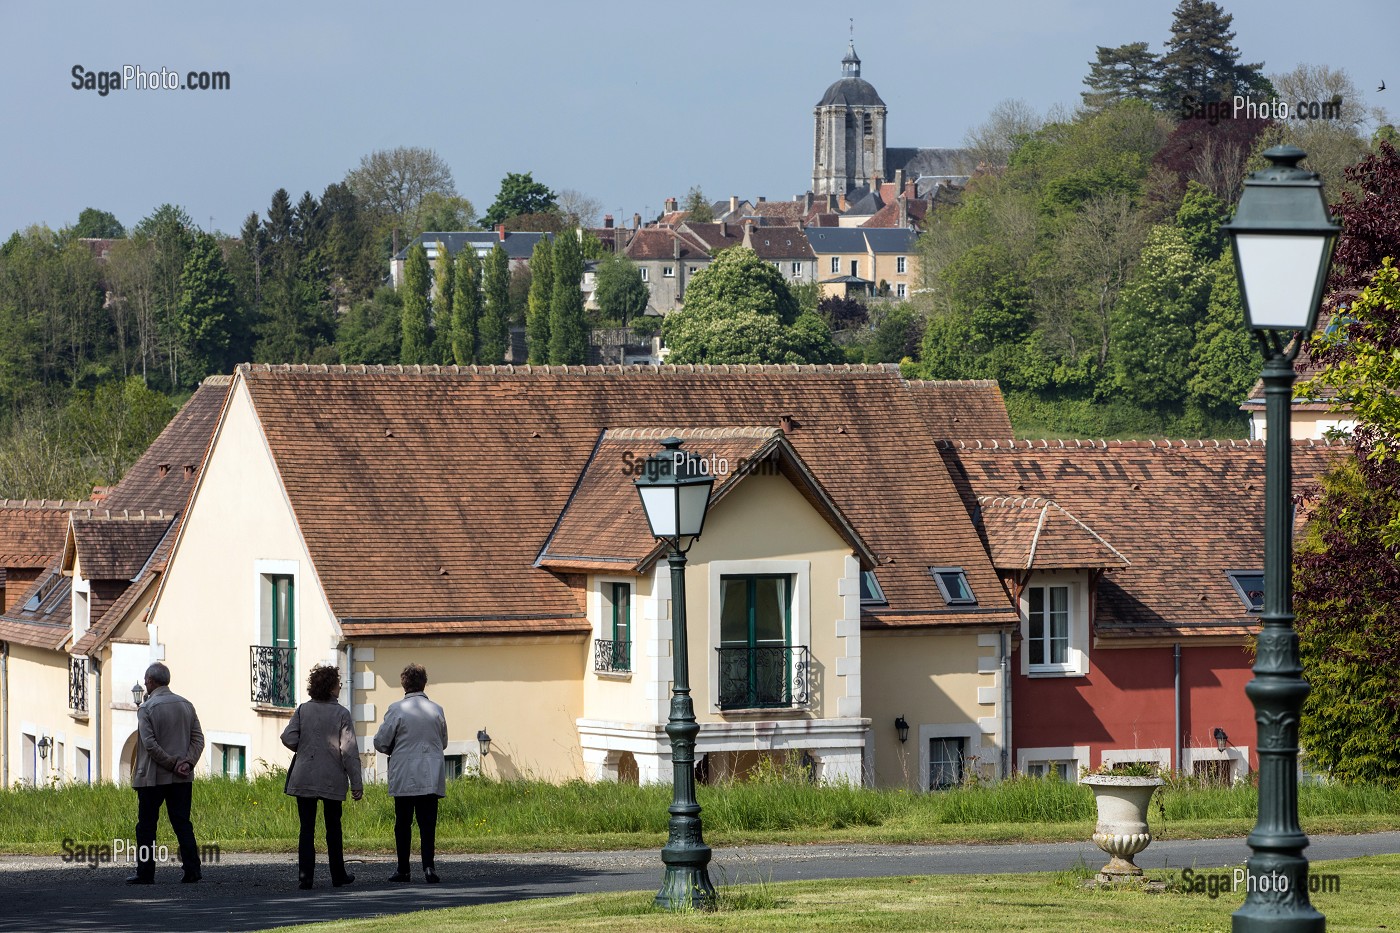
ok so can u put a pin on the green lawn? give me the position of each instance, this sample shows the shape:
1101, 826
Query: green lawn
1369, 899
494, 816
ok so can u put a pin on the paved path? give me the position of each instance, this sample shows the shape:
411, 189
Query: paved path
251, 892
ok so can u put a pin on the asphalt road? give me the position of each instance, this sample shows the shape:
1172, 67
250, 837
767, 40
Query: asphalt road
252, 892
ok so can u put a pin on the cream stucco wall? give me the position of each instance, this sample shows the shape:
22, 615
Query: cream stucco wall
38, 694
526, 692
944, 684
631, 697
207, 612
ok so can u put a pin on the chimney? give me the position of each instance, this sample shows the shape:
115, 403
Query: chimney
670, 205
761, 199
164, 469
899, 179
607, 221
733, 203
501, 232
189, 472
636, 221
841, 203
903, 212
831, 203
807, 203
723, 229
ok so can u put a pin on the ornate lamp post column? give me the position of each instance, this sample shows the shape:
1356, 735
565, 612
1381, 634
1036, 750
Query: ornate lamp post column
675, 493
1282, 238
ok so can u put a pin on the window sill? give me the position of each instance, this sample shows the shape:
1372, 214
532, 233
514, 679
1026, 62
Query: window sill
758, 712
78, 715
1055, 672
613, 675
264, 709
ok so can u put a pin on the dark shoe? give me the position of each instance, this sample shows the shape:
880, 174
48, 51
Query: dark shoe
140, 879
342, 882
304, 885
429, 875
401, 877
191, 877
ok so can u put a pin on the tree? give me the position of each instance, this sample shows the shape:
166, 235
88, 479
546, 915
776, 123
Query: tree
112, 425
371, 332
897, 336
392, 183
1369, 212
1201, 63
1154, 323
1128, 72
843, 313
443, 293
577, 208
621, 293
93, 223
1006, 127
167, 233
568, 329
416, 282
1332, 144
297, 320
466, 307
444, 213
208, 312
738, 309
1225, 361
1200, 217
539, 302
495, 315
1349, 559
697, 207
519, 194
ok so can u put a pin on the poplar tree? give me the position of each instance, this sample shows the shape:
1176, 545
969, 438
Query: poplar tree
466, 306
442, 306
541, 295
416, 280
568, 332
495, 317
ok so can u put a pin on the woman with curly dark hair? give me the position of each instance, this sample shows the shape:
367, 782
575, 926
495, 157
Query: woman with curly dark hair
327, 759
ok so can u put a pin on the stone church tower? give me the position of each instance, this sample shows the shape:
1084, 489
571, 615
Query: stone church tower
850, 133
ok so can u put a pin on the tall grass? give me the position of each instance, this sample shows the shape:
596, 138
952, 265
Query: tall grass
478, 813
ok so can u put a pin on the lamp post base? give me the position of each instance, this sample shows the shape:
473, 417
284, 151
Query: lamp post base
686, 885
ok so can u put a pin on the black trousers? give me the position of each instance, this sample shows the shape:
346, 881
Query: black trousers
306, 839
176, 798
424, 808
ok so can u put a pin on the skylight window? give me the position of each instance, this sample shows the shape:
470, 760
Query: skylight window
1249, 585
952, 584
870, 592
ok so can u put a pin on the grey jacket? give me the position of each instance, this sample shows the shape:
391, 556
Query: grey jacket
169, 732
414, 735
328, 757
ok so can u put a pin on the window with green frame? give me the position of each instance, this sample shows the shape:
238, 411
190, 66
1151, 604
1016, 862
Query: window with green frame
620, 601
235, 761
755, 629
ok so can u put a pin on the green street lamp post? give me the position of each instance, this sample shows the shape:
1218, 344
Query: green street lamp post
1282, 238
675, 490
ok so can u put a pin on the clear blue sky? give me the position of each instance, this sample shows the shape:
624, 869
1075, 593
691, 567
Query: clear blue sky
630, 102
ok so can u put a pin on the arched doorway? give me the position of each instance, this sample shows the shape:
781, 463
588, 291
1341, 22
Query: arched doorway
128, 759
627, 772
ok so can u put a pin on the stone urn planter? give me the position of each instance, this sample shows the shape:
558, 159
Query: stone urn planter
1122, 827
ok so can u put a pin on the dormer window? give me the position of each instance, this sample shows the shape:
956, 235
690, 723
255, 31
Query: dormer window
870, 592
1249, 586
952, 584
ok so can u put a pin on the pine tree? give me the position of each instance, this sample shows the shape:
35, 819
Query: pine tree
1128, 72
541, 294
495, 315
1200, 61
415, 306
208, 310
466, 306
441, 327
568, 331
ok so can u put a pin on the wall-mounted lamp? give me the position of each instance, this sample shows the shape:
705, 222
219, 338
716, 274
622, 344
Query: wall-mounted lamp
1222, 741
138, 693
484, 740
45, 744
901, 727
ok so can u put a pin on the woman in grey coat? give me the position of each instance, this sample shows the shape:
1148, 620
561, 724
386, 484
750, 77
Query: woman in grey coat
414, 735
327, 759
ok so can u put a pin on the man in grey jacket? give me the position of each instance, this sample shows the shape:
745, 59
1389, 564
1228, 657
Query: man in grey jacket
170, 742
414, 735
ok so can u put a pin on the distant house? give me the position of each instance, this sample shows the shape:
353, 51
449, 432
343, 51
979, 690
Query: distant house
518, 246
667, 259
865, 261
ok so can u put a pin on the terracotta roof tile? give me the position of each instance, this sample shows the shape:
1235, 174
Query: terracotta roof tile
1037, 534
962, 408
116, 545
1182, 512
443, 516
165, 475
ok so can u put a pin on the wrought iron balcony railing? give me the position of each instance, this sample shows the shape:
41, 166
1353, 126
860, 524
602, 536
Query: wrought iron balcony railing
765, 677
612, 657
274, 676
77, 685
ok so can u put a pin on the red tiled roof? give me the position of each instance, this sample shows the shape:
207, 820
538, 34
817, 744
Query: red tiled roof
888, 216
115, 545
32, 531
426, 494
1183, 513
962, 407
779, 243
1037, 534
658, 243
164, 476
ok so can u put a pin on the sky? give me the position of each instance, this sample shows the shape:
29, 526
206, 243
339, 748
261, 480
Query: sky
628, 102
